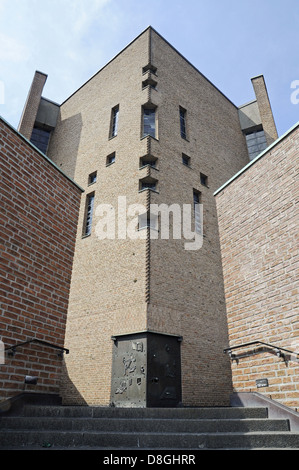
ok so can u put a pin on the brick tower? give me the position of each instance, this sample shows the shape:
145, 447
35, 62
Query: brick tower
146, 322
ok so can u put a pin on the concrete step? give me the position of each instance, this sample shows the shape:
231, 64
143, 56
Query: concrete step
144, 424
151, 440
72, 427
154, 413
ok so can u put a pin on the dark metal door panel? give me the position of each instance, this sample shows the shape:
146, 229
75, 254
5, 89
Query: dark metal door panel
146, 370
129, 371
164, 371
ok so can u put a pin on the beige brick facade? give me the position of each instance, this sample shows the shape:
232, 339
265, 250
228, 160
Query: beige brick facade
264, 106
31, 106
124, 286
259, 244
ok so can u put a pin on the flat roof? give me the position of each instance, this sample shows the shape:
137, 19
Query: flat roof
40, 152
277, 141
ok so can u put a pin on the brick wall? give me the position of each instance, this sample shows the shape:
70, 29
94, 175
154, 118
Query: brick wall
186, 287
264, 106
39, 209
31, 106
108, 289
124, 286
258, 225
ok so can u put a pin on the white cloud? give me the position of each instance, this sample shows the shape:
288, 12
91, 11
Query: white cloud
12, 50
62, 38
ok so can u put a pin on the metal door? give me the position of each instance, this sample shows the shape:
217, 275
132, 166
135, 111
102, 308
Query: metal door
146, 370
128, 388
164, 371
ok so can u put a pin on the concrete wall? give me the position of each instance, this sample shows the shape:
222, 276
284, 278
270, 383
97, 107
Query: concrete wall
258, 225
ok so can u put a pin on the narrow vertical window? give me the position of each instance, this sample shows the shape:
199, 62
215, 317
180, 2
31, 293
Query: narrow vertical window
88, 214
183, 123
196, 203
149, 122
203, 179
185, 160
114, 121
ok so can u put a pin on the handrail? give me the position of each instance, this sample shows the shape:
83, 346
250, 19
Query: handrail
35, 340
278, 349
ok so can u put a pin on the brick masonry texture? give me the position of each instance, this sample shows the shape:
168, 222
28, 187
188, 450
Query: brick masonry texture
39, 212
259, 245
125, 286
264, 106
186, 287
108, 290
31, 106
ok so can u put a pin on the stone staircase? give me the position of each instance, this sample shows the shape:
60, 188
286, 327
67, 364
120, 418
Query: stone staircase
73, 427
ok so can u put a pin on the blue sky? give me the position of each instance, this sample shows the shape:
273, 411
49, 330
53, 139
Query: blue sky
229, 41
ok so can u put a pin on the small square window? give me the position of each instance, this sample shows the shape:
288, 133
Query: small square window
203, 179
186, 160
147, 220
148, 185
149, 68
92, 178
110, 159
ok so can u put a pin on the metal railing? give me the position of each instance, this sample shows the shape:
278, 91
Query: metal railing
280, 352
12, 349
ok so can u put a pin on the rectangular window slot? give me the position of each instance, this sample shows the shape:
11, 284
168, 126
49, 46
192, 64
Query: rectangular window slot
196, 202
149, 68
114, 121
149, 122
92, 178
183, 126
204, 179
110, 159
149, 82
88, 214
148, 183
186, 160
149, 160
147, 220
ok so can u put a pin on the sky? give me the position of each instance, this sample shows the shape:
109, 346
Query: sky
228, 41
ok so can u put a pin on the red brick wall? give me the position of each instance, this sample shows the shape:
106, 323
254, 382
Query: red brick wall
258, 222
39, 210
